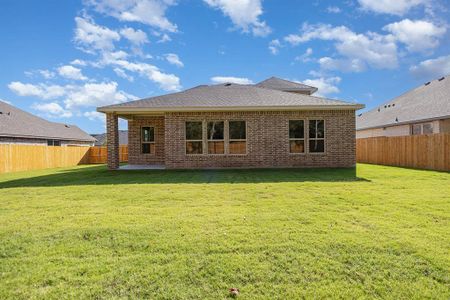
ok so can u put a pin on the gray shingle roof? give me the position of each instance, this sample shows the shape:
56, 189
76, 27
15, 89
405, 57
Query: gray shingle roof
101, 138
15, 122
426, 102
226, 96
275, 83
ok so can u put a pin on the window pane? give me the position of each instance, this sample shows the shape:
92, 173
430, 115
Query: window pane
320, 128
237, 130
427, 128
56, 143
49, 143
416, 129
316, 129
148, 134
146, 148
216, 147
296, 129
194, 147
194, 131
238, 147
215, 130
316, 146
312, 129
297, 146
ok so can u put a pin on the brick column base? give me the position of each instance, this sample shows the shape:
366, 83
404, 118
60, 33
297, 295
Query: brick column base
112, 140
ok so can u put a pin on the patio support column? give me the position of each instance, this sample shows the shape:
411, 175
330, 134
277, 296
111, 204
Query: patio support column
112, 140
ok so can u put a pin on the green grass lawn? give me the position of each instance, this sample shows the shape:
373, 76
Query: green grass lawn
86, 232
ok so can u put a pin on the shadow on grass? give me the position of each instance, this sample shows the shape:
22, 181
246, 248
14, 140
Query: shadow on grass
99, 175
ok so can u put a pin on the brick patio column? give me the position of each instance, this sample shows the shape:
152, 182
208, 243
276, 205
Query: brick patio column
112, 140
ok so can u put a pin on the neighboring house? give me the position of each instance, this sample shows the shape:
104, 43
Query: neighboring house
101, 138
424, 110
275, 123
20, 127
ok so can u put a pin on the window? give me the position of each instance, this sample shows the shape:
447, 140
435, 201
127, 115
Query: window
425, 128
216, 144
316, 136
53, 143
237, 137
297, 136
194, 137
148, 140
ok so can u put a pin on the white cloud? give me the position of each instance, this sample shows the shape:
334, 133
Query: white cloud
52, 109
164, 38
96, 94
78, 62
393, 7
326, 86
244, 14
378, 51
136, 37
173, 59
94, 116
333, 9
90, 36
121, 73
432, 68
305, 57
230, 79
71, 72
274, 46
416, 35
344, 65
47, 74
85, 95
168, 82
42, 91
149, 12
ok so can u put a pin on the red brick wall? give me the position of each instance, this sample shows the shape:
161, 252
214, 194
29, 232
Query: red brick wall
112, 136
267, 140
135, 155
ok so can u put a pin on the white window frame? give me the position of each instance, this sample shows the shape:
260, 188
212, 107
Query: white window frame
202, 140
208, 140
297, 139
150, 143
316, 138
237, 140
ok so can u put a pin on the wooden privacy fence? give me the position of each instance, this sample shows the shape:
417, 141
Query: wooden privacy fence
98, 155
415, 151
15, 157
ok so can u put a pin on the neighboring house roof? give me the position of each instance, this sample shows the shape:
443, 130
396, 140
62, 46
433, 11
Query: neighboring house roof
101, 138
427, 102
275, 83
15, 122
229, 97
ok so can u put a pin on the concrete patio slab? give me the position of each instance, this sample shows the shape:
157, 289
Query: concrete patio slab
142, 167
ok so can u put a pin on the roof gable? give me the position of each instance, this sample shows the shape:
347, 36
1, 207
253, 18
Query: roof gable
286, 85
15, 122
426, 102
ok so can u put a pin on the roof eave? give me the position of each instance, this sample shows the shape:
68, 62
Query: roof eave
119, 109
405, 122
12, 135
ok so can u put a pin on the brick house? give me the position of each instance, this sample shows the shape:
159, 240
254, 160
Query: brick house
20, 127
423, 110
275, 123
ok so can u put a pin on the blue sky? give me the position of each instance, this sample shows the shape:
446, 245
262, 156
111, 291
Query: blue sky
62, 59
